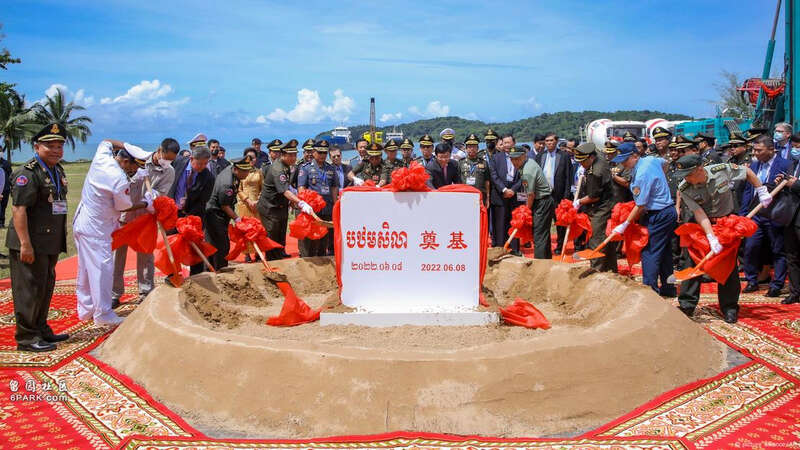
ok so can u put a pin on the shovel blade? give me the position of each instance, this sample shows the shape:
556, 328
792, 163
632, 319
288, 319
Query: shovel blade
588, 254
688, 274
176, 279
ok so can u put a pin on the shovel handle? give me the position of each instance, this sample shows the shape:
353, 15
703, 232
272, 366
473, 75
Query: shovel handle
773, 193
605, 242
703, 261
162, 230
263, 259
510, 238
203, 256
566, 235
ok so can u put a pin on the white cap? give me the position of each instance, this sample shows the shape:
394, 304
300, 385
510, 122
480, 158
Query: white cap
137, 152
199, 137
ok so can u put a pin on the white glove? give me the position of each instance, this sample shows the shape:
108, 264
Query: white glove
358, 181
237, 220
576, 204
305, 207
620, 229
763, 196
716, 247
148, 199
140, 175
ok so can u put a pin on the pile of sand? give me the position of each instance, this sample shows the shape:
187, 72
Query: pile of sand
205, 351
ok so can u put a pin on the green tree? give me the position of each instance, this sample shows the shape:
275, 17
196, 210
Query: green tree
5, 55
731, 102
17, 122
55, 109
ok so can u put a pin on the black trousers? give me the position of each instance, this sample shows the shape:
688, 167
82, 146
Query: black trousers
792, 245
319, 247
727, 293
501, 222
543, 210
217, 235
3, 206
32, 289
607, 263
561, 233
274, 222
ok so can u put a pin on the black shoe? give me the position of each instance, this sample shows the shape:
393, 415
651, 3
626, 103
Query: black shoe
516, 253
765, 281
39, 346
750, 288
731, 316
773, 292
56, 338
789, 300
248, 259
688, 311
114, 303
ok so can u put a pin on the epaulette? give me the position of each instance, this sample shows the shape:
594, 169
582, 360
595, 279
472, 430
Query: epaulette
718, 167
31, 164
683, 185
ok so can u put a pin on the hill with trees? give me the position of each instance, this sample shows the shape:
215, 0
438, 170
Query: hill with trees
565, 124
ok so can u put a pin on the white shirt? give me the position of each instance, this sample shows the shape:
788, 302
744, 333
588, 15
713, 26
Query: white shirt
550, 166
106, 192
763, 170
509, 169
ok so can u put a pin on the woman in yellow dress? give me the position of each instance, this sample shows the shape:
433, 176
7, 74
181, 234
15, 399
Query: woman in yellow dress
249, 191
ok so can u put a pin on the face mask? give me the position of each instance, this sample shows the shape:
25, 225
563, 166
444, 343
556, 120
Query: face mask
778, 136
164, 163
795, 153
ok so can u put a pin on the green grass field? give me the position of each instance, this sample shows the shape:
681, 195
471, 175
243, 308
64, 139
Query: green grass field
76, 173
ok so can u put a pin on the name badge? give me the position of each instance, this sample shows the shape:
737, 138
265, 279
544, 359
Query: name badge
471, 181
325, 190
59, 207
522, 196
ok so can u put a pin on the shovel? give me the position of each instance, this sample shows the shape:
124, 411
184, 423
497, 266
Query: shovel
327, 223
566, 235
593, 253
692, 272
177, 278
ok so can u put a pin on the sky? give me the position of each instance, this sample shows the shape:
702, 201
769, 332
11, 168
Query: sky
238, 69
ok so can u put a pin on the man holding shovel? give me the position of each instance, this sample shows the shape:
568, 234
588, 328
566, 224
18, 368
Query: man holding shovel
706, 192
596, 197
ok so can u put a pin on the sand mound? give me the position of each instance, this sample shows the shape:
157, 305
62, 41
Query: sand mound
204, 351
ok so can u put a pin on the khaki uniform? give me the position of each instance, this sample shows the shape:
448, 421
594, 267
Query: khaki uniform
367, 171
322, 180
388, 167
273, 206
622, 194
598, 184
716, 198
475, 172
32, 284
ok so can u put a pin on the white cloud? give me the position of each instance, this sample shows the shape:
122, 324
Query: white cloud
387, 117
144, 92
470, 116
310, 109
530, 104
79, 97
434, 109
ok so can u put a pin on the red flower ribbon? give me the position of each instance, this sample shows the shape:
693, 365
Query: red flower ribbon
249, 229
568, 216
635, 237
730, 231
522, 221
141, 234
190, 230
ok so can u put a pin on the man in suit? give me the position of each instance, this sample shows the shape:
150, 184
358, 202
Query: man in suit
506, 183
218, 162
442, 169
792, 231
767, 167
557, 167
192, 186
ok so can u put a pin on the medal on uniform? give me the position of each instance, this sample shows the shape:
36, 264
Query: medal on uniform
471, 181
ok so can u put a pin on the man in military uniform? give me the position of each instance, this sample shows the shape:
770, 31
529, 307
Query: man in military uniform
629, 137
619, 175
536, 191
274, 148
407, 147
596, 198
220, 209
491, 144
661, 139
475, 170
308, 157
426, 148
319, 176
36, 236
705, 146
391, 163
276, 195
371, 169
706, 192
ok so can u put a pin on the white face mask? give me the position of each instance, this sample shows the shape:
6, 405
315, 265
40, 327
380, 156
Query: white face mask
163, 162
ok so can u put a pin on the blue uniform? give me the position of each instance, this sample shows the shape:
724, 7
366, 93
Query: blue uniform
651, 190
323, 180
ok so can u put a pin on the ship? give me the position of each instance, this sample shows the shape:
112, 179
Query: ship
394, 134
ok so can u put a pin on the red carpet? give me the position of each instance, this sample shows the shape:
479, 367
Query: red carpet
68, 399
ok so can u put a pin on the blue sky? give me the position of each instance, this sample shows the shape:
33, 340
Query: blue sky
237, 69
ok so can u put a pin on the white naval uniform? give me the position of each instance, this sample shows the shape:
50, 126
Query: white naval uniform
106, 193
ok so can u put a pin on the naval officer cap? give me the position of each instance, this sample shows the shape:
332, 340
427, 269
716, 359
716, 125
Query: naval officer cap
136, 153
198, 140
51, 132
308, 144
447, 133
321, 146
275, 145
289, 147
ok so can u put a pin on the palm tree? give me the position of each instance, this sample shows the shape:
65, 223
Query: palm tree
55, 109
17, 122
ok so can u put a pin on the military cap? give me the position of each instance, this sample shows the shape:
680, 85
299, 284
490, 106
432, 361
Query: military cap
426, 140
683, 142
737, 139
686, 164
407, 143
139, 155
276, 145
374, 149
516, 152
392, 145
753, 133
626, 149
289, 147
308, 144
490, 135
51, 132
447, 133
699, 137
242, 163
610, 146
661, 132
629, 137
584, 151
672, 143
472, 140
198, 140
321, 146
